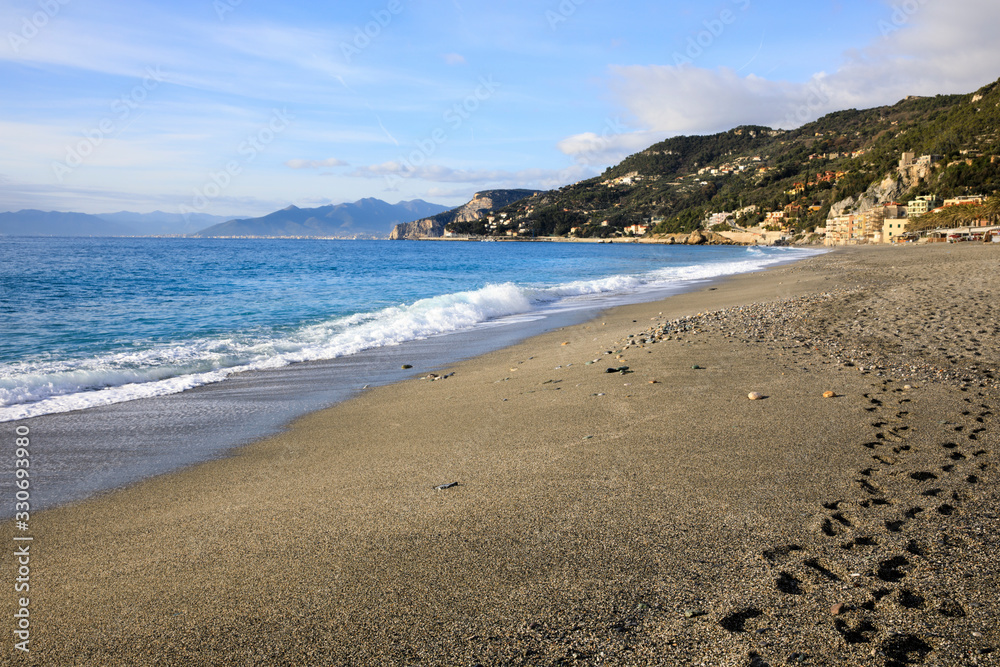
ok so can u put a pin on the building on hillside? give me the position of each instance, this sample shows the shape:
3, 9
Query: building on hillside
921, 205
961, 201
793, 211
636, 230
717, 219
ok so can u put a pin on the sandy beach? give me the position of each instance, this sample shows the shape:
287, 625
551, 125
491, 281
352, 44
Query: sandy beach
615, 498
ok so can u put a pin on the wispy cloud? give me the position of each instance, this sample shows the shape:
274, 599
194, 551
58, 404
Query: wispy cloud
547, 178
299, 163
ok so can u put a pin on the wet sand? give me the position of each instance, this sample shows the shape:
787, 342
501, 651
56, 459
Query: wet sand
648, 516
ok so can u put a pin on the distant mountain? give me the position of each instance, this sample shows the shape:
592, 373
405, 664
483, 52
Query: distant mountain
30, 222
365, 218
481, 204
160, 223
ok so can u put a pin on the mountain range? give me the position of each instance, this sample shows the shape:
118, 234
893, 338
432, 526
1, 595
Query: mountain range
30, 222
365, 218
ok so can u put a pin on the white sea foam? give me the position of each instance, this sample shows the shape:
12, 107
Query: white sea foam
29, 389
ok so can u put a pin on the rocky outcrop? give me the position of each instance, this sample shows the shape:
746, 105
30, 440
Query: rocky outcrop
878, 194
481, 204
697, 237
426, 228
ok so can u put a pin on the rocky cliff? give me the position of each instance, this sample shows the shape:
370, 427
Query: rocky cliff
878, 194
481, 204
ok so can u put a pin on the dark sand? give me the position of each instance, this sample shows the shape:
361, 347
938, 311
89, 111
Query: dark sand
599, 518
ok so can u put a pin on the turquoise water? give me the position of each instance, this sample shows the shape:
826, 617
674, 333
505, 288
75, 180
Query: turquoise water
92, 322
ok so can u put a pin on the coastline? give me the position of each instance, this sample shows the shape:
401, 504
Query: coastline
651, 517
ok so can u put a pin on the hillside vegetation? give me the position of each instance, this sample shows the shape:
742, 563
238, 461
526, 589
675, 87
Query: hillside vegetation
673, 186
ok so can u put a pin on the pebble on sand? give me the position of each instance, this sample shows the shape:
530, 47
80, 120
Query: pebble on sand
755, 395
829, 394
838, 609
406, 367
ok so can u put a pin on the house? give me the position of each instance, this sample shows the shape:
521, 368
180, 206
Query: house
893, 229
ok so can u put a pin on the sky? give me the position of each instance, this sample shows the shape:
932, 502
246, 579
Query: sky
243, 107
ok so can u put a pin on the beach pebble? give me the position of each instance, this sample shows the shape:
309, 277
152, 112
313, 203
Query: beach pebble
829, 394
838, 609
406, 367
442, 487
755, 395
696, 367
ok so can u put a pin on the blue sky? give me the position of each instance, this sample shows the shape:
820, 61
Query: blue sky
241, 107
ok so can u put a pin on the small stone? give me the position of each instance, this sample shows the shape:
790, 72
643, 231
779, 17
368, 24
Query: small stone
829, 394
406, 367
838, 609
694, 613
906, 386
654, 382
566, 343
755, 395
696, 367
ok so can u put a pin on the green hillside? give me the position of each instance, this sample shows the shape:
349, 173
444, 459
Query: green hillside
677, 183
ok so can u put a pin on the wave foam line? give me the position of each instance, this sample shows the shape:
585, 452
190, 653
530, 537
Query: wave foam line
31, 389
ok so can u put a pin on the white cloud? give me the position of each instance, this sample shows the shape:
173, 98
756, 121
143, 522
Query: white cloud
590, 148
299, 163
454, 59
924, 48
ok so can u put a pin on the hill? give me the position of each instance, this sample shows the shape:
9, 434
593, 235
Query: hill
676, 185
474, 212
30, 222
365, 218
160, 223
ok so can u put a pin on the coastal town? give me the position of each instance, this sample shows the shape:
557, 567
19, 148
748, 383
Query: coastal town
879, 216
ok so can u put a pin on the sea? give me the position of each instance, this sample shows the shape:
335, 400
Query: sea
126, 358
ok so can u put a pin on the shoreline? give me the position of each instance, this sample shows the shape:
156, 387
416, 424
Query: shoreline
102, 447
652, 517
